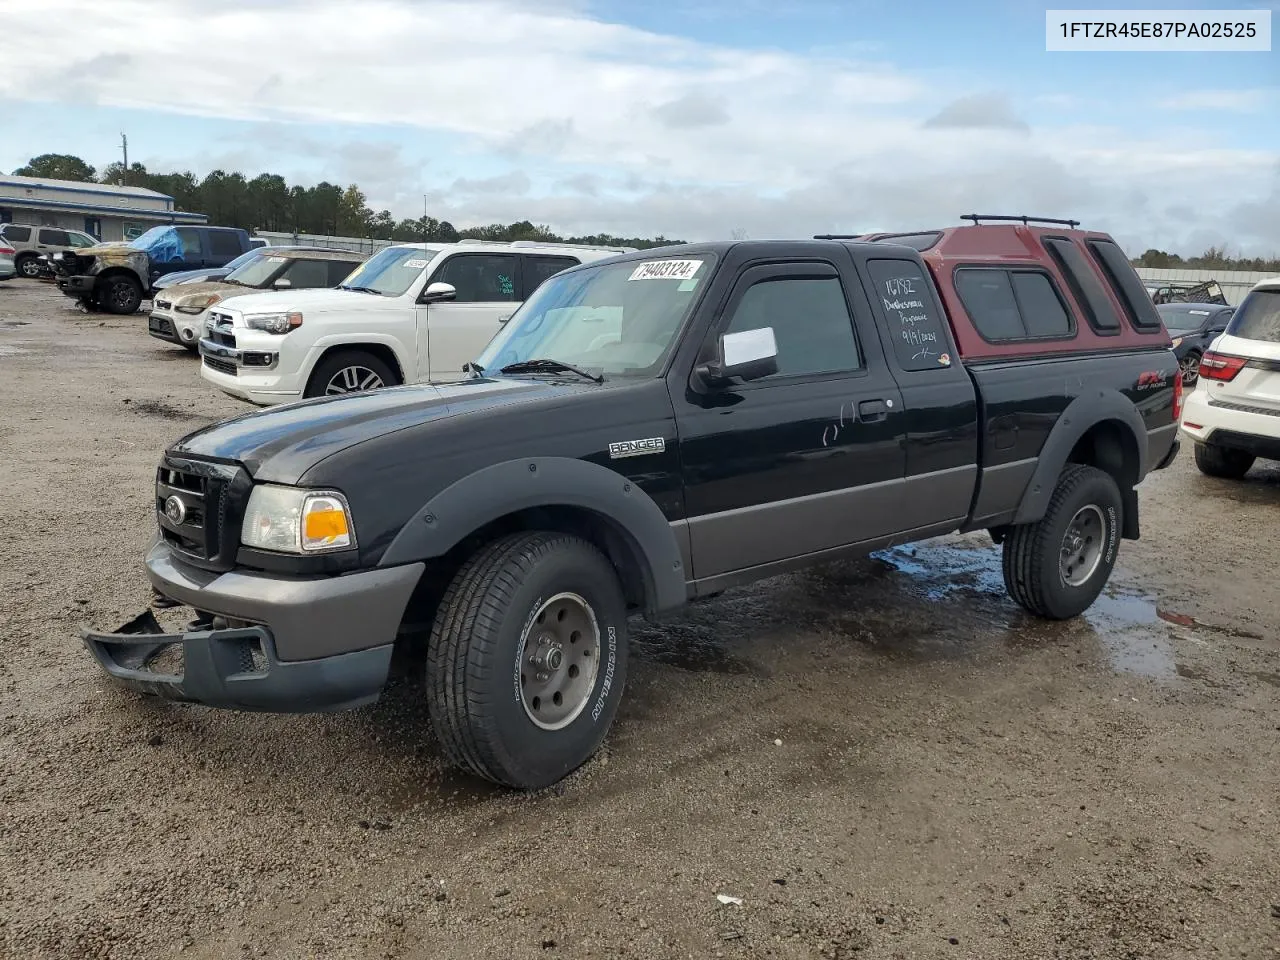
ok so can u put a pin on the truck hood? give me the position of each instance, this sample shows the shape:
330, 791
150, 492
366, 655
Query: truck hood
321, 299
279, 444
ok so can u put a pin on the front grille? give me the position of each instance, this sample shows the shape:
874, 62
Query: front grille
1243, 407
222, 366
221, 329
213, 498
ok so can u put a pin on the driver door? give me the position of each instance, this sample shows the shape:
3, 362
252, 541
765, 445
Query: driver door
458, 330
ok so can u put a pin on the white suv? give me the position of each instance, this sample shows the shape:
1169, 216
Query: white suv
412, 312
1233, 415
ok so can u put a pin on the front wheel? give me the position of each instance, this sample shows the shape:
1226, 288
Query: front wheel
349, 371
1189, 366
1222, 462
1055, 568
527, 659
120, 294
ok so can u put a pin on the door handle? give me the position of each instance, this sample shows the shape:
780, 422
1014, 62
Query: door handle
502, 320
870, 411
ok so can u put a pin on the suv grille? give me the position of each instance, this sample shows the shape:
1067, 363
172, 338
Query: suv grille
205, 528
220, 330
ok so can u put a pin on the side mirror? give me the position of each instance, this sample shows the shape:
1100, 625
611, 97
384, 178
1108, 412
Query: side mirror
748, 355
439, 293
282, 283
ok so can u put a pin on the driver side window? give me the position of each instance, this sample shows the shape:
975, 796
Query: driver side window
810, 320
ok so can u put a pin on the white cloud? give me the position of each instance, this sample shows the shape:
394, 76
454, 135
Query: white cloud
1235, 101
599, 126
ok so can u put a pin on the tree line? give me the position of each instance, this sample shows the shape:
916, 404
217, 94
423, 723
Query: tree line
267, 202
1215, 258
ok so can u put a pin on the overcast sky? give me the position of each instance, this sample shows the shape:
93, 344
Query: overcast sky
782, 118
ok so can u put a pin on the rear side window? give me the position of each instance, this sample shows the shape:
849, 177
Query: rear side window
15, 234
1012, 305
1084, 285
1124, 279
911, 314
224, 244
537, 269
55, 238
1257, 317
339, 270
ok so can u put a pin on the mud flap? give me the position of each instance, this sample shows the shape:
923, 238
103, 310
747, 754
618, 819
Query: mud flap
1129, 525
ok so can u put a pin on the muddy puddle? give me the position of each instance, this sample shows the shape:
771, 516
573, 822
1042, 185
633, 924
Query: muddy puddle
936, 600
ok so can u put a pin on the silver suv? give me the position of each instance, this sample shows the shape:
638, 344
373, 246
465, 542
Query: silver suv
31, 242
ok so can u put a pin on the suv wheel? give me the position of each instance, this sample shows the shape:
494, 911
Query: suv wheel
527, 659
1055, 568
28, 266
349, 371
120, 294
1222, 461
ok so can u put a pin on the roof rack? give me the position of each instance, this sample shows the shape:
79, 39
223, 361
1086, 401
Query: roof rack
474, 242
1024, 220
839, 236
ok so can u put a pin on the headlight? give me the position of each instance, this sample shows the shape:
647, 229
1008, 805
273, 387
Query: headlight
1177, 341
273, 322
198, 304
290, 520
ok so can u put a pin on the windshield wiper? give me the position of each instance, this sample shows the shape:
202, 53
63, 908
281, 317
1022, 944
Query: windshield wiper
343, 286
550, 366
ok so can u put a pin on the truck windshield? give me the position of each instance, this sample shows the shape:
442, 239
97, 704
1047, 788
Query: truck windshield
618, 318
144, 241
389, 272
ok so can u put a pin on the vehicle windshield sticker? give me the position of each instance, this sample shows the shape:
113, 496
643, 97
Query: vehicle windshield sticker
666, 270
687, 285
508, 288
1198, 313
415, 264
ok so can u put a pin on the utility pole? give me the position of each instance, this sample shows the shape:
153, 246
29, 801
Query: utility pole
124, 145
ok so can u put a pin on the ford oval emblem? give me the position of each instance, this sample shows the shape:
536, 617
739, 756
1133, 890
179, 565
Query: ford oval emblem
175, 510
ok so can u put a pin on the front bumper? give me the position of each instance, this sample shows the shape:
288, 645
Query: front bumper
264, 642
250, 375
77, 287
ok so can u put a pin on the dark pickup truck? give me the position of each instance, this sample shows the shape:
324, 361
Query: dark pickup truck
648, 430
117, 277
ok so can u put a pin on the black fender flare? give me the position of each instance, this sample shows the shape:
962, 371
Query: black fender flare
513, 485
1082, 414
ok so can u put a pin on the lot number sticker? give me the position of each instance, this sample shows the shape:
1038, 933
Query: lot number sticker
415, 264
666, 270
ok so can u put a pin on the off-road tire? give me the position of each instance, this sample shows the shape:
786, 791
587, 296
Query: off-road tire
28, 265
1223, 462
476, 656
336, 362
1033, 551
120, 295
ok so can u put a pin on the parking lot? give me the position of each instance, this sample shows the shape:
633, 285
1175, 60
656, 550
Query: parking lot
879, 759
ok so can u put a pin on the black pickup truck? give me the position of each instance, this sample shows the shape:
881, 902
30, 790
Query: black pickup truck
644, 431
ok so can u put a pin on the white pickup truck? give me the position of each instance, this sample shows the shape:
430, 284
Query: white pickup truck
413, 312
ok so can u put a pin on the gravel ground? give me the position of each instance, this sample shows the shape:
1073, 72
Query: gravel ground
882, 759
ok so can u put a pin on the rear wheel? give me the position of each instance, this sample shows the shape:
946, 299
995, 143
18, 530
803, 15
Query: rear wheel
350, 371
1223, 462
120, 294
527, 659
1055, 568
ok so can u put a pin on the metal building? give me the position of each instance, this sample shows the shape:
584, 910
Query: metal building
108, 212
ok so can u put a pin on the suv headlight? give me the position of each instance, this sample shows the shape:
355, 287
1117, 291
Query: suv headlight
198, 304
273, 322
292, 520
